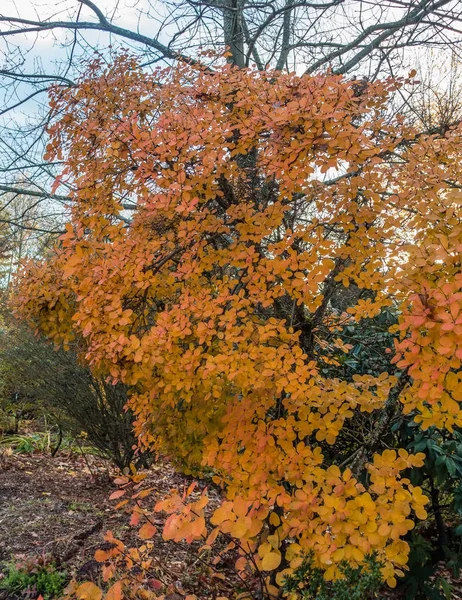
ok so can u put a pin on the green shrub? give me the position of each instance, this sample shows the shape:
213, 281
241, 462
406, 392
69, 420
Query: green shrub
35, 576
57, 387
359, 583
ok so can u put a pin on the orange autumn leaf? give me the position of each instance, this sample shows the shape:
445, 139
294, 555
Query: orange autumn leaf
147, 531
271, 561
114, 592
88, 591
117, 494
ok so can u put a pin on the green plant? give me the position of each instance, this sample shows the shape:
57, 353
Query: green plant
80, 506
45, 441
357, 583
421, 581
35, 576
27, 443
54, 387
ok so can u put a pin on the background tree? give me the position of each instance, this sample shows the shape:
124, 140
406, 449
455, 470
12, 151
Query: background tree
28, 228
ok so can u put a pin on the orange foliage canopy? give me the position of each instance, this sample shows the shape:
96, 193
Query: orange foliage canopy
256, 197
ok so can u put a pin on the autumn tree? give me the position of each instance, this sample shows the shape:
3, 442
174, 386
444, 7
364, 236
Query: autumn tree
271, 212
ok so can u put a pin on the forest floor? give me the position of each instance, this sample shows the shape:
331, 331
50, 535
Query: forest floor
60, 507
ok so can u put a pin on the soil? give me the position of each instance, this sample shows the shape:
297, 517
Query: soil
53, 506
60, 507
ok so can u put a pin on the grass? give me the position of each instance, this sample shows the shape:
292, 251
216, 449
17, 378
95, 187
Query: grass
44, 442
80, 507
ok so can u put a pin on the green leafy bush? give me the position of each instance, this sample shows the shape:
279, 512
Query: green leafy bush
35, 577
359, 583
38, 379
422, 581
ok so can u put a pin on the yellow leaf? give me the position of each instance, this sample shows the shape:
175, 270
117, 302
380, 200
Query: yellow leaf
391, 581
293, 551
271, 561
88, 591
274, 519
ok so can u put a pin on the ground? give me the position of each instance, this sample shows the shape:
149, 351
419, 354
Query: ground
48, 505
56, 506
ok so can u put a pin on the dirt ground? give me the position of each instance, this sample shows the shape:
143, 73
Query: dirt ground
48, 505
56, 506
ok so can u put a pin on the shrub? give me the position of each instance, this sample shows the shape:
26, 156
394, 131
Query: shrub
358, 583
272, 215
55, 385
35, 576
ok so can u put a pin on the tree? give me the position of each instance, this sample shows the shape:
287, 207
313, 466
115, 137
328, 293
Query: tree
282, 33
436, 104
260, 197
27, 228
3, 243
